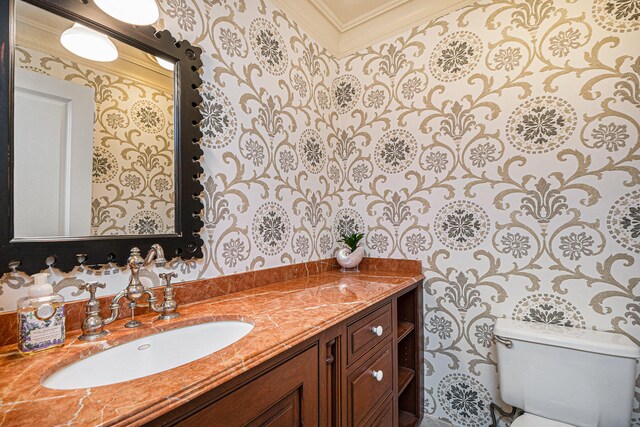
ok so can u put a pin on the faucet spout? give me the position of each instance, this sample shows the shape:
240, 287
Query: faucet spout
156, 252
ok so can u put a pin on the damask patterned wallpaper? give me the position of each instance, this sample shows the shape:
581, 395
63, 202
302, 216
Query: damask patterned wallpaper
269, 183
132, 182
500, 146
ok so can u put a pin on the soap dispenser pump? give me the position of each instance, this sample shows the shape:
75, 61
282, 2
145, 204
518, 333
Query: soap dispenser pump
41, 317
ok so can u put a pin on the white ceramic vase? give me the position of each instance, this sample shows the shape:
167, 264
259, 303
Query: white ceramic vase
349, 260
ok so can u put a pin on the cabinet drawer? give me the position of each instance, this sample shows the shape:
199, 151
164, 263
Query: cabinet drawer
362, 336
365, 391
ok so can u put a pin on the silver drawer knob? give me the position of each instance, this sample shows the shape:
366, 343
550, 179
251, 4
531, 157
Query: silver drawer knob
378, 375
377, 330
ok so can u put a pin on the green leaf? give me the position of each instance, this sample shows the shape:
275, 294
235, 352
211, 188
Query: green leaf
352, 240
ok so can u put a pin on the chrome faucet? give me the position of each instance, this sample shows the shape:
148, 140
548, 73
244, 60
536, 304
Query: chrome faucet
135, 289
93, 325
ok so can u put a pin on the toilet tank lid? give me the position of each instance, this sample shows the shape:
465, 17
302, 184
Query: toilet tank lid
609, 343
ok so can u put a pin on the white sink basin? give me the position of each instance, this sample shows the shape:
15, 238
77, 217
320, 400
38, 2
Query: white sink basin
148, 355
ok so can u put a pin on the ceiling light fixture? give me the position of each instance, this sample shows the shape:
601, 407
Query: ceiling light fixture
167, 65
136, 12
89, 44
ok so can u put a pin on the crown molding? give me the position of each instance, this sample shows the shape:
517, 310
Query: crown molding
347, 25
313, 21
378, 24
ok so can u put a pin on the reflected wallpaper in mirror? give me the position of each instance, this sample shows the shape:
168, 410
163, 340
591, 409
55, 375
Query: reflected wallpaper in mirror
93, 139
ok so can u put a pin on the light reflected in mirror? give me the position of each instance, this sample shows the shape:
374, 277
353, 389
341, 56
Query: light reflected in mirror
93, 141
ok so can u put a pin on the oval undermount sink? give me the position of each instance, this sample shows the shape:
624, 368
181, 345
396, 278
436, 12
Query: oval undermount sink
149, 355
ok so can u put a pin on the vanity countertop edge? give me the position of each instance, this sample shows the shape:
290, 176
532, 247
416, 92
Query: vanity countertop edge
284, 315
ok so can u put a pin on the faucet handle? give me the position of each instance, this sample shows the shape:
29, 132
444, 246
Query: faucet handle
93, 324
169, 305
168, 276
92, 287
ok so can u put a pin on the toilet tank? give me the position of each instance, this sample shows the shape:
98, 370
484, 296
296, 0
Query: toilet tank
576, 376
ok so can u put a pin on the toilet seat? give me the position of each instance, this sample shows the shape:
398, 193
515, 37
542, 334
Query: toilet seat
529, 420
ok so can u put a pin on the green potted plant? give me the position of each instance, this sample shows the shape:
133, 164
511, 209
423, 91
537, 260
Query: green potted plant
350, 257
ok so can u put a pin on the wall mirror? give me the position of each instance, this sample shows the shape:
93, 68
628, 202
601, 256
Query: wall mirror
99, 143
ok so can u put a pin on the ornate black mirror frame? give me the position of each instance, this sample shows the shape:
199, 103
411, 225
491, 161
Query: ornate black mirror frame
32, 256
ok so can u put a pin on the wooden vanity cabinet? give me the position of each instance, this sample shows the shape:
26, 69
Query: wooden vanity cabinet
396, 398
365, 371
281, 392
285, 396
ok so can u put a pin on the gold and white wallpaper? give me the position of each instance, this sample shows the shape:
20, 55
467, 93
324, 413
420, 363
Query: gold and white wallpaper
498, 145
267, 116
132, 175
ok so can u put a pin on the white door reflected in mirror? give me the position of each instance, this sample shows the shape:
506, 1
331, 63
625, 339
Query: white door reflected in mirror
53, 145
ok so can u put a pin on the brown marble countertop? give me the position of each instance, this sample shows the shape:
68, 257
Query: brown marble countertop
284, 314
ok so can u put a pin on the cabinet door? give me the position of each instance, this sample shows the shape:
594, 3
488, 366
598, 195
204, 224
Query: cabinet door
286, 396
383, 416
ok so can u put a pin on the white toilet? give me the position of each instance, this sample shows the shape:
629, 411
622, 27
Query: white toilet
564, 376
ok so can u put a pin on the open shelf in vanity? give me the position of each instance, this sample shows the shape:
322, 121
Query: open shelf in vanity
408, 339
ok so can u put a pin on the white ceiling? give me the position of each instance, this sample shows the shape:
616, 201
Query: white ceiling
344, 26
